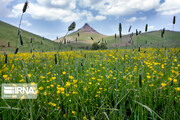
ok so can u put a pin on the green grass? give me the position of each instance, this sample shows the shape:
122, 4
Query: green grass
102, 84
8, 33
170, 39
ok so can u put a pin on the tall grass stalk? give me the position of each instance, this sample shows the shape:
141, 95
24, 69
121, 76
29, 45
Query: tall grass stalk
70, 28
146, 29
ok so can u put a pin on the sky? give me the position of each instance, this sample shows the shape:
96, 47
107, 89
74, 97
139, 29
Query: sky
51, 18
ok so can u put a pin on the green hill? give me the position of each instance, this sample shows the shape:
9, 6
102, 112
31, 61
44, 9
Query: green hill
149, 39
85, 36
8, 33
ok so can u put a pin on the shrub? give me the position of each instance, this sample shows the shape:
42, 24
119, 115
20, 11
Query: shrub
95, 46
103, 46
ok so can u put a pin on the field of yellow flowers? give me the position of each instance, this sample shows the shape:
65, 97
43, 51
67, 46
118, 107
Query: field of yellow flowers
105, 84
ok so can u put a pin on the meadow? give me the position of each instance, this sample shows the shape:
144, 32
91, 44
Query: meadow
104, 84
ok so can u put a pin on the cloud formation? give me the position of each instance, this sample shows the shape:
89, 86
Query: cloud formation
133, 19
64, 10
119, 7
100, 17
151, 27
4, 10
26, 23
169, 7
78, 10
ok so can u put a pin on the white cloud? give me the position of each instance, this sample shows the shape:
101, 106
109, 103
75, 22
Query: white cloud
45, 10
119, 7
67, 11
133, 19
16, 11
169, 7
151, 27
27, 23
143, 18
4, 10
100, 17
63, 4
170, 24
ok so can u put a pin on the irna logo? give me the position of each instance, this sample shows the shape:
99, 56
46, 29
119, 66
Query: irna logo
17, 91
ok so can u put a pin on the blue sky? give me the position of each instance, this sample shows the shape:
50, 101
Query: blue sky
51, 18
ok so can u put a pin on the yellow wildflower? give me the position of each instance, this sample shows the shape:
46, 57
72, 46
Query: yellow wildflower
73, 112
29, 75
68, 84
163, 84
64, 73
175, 81
74, 81
5, 76
42, 77
71, 77
177, 89
41, 88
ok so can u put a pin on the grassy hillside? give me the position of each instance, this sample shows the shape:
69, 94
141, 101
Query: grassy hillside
170, 39
8, 33
84, 38
149, 39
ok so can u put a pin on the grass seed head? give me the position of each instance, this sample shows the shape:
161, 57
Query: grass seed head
92, 38
140, 81
5, 58
21, 40
16, 51
146, 28
163, 31
136, 32
72, 26
129, 29
25, 6
120, 27
9, 44
91, 65
174, 19
55, 58
31, 40
139, 49
162, 34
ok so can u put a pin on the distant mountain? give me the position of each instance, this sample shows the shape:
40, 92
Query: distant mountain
85, 35
86, 28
